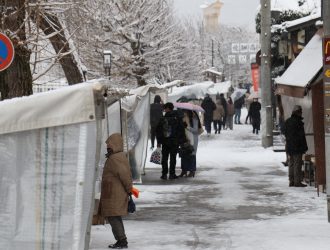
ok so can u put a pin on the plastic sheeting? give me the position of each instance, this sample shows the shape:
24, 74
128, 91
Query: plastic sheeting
67, 105
46, 187
198, 89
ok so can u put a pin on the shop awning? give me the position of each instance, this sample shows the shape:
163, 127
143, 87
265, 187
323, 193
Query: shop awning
303, 70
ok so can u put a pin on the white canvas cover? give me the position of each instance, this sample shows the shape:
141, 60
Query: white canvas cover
197, 89
49, 109
305, 67
47, 173
220, 87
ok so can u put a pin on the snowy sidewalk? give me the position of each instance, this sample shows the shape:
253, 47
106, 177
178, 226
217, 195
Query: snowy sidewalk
239, 199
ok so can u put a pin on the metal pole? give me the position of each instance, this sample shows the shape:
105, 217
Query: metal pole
212, 53
326, 82
265, 77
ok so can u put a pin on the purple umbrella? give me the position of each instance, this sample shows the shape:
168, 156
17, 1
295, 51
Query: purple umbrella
188, 106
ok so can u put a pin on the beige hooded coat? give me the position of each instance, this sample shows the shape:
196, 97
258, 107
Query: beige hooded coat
219, 112
116, 180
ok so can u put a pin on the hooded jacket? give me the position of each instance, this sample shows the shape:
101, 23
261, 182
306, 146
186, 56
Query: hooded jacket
295, 135
116, 180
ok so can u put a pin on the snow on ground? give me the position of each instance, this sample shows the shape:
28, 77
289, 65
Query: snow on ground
239, 199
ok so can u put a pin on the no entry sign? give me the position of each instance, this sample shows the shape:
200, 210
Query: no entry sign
6, 52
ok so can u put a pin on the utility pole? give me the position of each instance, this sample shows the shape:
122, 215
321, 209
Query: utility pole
326, 82
265, 76
212, 53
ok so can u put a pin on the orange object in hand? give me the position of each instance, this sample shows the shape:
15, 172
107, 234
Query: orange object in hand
135, 192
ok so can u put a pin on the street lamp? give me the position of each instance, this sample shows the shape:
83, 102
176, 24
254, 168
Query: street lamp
107, 56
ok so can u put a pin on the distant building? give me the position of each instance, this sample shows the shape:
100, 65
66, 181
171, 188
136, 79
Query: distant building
211, 15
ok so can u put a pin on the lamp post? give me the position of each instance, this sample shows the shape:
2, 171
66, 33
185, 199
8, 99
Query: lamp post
107, 57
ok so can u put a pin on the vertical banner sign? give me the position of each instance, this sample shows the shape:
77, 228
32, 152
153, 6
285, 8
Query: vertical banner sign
255, 76
6, 52
326, 78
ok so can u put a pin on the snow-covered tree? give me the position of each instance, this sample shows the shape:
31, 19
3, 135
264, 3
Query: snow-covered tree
145, 38
31, 25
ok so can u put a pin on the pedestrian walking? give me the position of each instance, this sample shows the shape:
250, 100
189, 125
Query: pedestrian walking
238, 104
296, 145
115, 189
170, 134
225, 108
209, 106
156, 112
254, 113
230, 113
193, 129
218, 115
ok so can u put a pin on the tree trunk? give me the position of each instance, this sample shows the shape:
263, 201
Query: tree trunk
16, 80
140, 68
60, 44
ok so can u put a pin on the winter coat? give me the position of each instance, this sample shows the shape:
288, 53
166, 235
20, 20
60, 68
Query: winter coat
173, 120
156, 112
238, 104
230, 109
209, 106
219, 111
192, 131
224, 105
116, 180
295, 135
254, 110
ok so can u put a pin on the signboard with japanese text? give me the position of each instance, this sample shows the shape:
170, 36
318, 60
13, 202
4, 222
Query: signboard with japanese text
255, 76
326, 50
327, 105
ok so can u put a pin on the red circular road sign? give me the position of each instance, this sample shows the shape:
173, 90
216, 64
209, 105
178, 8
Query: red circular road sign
6, 52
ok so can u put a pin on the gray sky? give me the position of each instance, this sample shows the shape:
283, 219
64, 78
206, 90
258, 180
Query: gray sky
233, 12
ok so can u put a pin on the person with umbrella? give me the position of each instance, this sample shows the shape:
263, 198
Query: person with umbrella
193, 129
209, 106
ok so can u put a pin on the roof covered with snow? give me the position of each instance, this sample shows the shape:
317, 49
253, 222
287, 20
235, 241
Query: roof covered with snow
306, 66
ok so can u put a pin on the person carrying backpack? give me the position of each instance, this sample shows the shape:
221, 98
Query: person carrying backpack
170, 134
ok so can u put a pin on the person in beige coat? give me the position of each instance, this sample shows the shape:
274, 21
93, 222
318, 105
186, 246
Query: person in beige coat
218, 115
115, 188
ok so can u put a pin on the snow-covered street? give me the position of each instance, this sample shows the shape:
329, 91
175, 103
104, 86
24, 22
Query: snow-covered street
239, 199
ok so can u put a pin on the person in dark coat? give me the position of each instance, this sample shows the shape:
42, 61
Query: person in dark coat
254, 113
170, 134
238, 104
296, 145
156, 112
209, 106
224, 105
116, 186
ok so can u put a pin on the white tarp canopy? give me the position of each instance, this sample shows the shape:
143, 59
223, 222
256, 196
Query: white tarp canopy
49, 109
306, 66
50, 149
143, 90
220, 87
48, 155
199, 90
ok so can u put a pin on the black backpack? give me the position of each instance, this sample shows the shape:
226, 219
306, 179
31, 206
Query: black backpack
170, 125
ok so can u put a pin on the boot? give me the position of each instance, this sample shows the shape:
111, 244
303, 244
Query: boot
120, 244
300, 185
173, 176
164, 177
191, 174
183, 173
